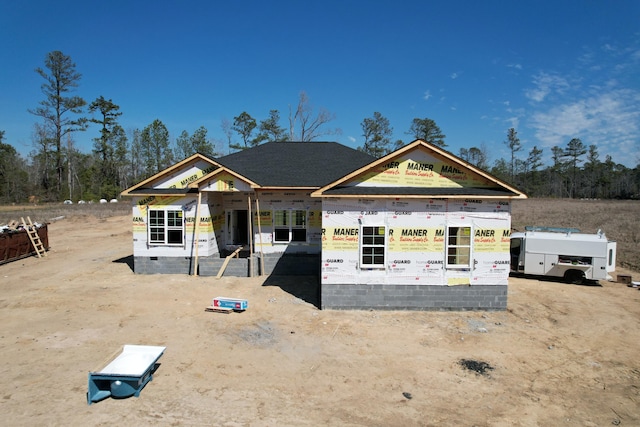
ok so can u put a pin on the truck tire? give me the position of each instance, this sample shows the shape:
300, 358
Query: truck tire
575, 277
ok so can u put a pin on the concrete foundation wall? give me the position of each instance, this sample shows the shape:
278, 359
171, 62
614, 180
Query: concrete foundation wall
162, 265
208, 266
276, 264
236, 267
413, 297
283, 264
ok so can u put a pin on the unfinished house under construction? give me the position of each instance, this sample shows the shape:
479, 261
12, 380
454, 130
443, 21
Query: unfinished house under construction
417, 229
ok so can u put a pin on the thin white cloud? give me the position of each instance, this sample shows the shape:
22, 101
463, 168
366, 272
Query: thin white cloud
516, 66
598, 101
544, 85
622, 59
427, 95
513, 122
609, 120
454, 76
352, 139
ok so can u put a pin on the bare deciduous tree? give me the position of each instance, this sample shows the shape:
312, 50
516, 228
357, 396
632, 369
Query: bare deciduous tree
311, 126
476, 156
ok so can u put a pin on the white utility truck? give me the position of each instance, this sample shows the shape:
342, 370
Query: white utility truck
563, 252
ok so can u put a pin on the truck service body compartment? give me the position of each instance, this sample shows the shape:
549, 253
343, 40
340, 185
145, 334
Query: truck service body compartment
563, 253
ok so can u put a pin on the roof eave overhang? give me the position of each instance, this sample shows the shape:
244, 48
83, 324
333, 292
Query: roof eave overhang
286, 188
418, 196
160, 192
133, 190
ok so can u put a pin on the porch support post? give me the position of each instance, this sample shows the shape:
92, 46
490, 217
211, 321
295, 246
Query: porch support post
196, 224
260, 235
250, 235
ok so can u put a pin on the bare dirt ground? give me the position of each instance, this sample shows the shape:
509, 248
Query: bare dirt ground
561, 354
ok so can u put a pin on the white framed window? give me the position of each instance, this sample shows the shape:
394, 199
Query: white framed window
373, 246
458, 247
289, 225
165, 227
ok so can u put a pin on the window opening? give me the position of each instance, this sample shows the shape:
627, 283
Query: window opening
458, 247
299, 226
166, 227
289, 226
372, 246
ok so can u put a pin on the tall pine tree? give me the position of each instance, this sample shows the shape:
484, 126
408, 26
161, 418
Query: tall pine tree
59, 110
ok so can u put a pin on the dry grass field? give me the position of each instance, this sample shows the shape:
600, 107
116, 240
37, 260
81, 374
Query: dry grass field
46, 212
618, 219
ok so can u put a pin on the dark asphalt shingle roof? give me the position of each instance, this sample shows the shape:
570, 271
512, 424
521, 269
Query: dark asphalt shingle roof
296, 164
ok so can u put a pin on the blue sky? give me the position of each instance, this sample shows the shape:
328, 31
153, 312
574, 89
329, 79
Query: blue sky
554, 70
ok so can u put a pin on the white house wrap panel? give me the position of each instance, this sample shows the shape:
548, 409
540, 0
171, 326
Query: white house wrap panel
181, 178
145, 219
414, 241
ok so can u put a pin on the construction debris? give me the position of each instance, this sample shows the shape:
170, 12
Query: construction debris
478, 367
19, 240
235, 304
218, 309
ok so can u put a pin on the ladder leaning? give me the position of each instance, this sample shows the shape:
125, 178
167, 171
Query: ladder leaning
34, 237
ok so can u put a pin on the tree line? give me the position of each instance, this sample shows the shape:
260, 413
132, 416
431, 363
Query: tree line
56, 170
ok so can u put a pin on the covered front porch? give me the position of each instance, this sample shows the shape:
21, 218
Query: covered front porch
234, 233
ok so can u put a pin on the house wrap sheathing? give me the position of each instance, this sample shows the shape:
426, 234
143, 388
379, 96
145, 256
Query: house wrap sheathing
417, 229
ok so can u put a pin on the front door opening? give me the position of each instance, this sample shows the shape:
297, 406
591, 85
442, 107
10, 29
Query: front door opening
238, 227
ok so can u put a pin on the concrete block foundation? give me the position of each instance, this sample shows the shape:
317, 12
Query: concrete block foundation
413, 297
236, 267
274, 264
162, 265
207, 266
283, 264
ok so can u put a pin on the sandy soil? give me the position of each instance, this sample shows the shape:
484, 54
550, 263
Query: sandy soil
560, 355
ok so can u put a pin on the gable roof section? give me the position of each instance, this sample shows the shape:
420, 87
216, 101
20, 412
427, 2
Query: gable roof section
222, 173
153, 185
419, 169
307, 165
